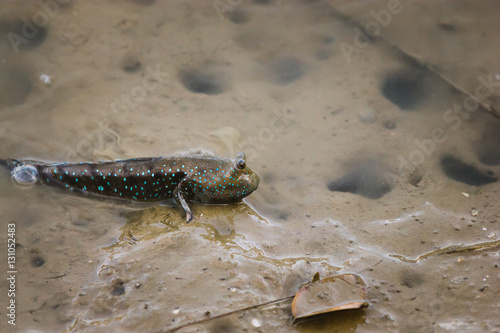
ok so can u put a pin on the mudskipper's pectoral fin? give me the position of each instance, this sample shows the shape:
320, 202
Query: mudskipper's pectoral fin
180, 196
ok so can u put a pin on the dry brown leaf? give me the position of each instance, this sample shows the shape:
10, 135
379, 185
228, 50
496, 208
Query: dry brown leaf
341, 292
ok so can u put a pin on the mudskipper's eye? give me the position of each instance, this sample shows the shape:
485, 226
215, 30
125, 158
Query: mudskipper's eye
240, 164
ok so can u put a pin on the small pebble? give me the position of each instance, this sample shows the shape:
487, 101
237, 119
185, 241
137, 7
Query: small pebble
45, 79
367, 116
256, 323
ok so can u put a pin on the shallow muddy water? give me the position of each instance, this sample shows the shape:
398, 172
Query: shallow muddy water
377, 156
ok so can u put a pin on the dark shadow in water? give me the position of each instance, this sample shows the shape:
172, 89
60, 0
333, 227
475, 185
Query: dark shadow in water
285, 70
404, 88
37, 261
447, 26
411, 278
367, 180
201, 82
239, 15
15, 85
465, 173
118, 288
22, 35
488, 148
131, 64
415, 178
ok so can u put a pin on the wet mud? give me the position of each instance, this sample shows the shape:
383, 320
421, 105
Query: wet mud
370, 164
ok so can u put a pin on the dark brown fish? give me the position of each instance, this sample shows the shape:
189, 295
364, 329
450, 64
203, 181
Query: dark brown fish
205, 179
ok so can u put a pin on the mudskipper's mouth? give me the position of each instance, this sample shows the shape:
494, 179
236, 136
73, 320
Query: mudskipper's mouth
252, 180
255, 180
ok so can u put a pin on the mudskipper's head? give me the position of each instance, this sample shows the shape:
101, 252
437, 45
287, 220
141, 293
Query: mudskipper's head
225, 181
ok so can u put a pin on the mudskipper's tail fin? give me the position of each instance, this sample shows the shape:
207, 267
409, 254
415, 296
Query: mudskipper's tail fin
9, 163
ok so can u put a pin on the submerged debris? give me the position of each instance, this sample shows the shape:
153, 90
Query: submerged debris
451, 249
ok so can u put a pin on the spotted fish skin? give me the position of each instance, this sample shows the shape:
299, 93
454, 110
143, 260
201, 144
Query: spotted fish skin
205, 179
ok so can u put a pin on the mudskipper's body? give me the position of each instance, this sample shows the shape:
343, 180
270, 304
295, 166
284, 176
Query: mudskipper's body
205, 179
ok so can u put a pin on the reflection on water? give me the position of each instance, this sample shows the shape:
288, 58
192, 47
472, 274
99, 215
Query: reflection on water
370, 125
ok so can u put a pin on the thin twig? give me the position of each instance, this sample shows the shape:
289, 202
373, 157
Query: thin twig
227, 314
55, 277
370, 267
